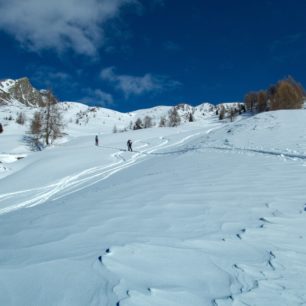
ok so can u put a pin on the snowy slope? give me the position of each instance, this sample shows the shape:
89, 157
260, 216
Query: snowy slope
281, 132
209, 213
5, 85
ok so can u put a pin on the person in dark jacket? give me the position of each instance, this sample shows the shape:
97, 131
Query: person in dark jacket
129, 145
97, 140
1, 128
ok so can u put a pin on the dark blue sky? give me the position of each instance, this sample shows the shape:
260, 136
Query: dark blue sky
131, 54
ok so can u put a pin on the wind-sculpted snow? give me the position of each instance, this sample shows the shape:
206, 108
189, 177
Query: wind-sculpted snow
194, 216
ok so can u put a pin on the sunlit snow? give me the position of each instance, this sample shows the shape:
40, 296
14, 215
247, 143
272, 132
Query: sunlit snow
208, 213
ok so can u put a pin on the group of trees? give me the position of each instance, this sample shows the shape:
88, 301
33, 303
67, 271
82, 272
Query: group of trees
46, 124
285, 94
230, 112
172, 120
146, 123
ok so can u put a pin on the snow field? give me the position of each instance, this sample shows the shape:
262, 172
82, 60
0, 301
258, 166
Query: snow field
186, 219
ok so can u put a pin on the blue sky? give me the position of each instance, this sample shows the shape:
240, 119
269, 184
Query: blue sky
132, 54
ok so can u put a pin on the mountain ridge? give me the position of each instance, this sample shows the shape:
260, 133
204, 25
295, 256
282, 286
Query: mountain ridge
23, 91
22, 95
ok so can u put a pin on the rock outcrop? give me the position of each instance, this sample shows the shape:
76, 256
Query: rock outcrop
23, 91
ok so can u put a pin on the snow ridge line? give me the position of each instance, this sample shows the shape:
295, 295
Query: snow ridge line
271, 272
247, 283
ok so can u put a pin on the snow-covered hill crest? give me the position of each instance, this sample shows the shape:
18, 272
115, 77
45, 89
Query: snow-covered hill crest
20, 96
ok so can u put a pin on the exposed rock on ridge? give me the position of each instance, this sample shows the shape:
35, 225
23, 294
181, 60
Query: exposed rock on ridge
23, 91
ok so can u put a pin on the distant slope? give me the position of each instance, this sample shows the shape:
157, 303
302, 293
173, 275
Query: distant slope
22, 91
277, 131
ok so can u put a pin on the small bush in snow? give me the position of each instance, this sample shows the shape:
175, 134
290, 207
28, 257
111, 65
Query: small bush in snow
21, 119
138, 124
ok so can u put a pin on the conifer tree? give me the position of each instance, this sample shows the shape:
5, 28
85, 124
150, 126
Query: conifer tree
147, 122
174, 117
138, 124
222, 113
191, 117
162, 122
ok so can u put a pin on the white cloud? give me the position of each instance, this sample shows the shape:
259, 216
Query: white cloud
59, 24
98, 97
137, 85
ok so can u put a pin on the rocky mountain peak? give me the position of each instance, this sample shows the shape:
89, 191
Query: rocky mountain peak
23, 91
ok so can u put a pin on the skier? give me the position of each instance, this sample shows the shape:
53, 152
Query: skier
97, 140
1, 128
129, 145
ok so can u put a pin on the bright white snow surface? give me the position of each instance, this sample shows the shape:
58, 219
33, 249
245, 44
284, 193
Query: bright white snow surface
5, 85
203, 214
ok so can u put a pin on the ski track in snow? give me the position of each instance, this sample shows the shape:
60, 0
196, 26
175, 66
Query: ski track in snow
245, 279
84, 179
259, 151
